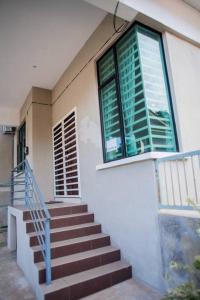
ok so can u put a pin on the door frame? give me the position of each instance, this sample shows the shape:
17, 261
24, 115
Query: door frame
22, 126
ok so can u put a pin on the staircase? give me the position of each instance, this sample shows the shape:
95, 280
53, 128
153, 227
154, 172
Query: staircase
82, 258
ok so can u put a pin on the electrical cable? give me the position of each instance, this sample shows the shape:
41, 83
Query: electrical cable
118, 30
87, 63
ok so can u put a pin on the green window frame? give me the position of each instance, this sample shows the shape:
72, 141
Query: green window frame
21, 143
134, 95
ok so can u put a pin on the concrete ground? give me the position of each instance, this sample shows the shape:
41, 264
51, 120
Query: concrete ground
127, 290
14, 286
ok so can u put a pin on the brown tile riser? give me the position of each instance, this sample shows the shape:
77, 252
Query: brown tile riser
81, 265
121, 275
63, 222
68, 210
60, 211
108, 269
91, 286
74, 248
65, 235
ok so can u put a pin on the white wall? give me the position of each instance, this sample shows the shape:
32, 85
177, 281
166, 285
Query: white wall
175, 14
125, 202
183, 61
19, 240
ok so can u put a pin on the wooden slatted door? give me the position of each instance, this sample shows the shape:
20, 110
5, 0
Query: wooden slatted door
66, 162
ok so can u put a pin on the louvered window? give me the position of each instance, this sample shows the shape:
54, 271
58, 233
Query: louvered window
66, 158
134, 96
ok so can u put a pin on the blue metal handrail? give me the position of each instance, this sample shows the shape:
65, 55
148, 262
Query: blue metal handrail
178, 178
22, 177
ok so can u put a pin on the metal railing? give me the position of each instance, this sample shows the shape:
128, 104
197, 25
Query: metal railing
4, 203
178, 179
24, 188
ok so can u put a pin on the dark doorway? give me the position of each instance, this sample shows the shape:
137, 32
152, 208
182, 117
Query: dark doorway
21, 143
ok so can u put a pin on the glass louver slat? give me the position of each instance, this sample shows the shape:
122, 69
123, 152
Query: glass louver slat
106, 67
156, 89
130, 86
111, 122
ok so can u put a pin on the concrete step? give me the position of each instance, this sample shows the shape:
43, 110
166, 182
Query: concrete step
60, 209
72, 246
82, 259
64, 220
82, 284
69, 232
68, 265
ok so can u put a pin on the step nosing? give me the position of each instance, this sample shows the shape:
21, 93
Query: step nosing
73, 241
60, 205
52, 207
68, 228
62, 217
72, 215
78, 256
65, 205
84, 276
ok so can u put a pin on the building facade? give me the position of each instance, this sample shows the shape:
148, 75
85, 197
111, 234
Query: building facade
127, 99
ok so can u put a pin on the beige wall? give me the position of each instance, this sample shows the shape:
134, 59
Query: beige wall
184, 70
111, 193
6, 165
36, 111
42, 148
180, 55
125, 197
6, 156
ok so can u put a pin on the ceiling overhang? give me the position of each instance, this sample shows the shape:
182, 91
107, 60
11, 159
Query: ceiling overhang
176, 16
39, 39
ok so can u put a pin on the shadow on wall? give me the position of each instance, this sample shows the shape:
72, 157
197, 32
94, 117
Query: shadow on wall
6, 165
180, 243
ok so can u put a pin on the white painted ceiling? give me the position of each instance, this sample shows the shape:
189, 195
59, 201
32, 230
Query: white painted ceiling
43, 33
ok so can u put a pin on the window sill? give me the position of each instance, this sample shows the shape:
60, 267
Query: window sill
134, 159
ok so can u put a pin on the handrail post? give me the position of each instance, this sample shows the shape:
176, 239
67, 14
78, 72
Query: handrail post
35, 202
158, 180
12, 188
26, 184
47, 251
179, 191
